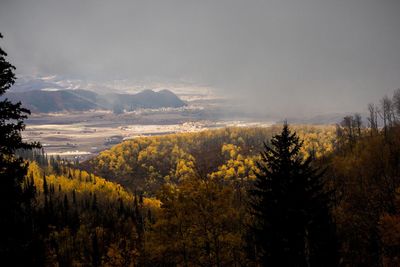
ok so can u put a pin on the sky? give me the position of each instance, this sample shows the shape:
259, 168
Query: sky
283, 56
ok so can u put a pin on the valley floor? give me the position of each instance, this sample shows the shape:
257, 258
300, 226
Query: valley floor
83, 135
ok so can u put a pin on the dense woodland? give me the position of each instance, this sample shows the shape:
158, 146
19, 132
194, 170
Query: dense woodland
182, 205
139, 227
145, 164
297, 196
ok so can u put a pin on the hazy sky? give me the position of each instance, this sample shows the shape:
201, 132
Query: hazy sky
295, 56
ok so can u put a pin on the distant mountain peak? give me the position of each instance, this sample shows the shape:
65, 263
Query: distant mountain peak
166, 91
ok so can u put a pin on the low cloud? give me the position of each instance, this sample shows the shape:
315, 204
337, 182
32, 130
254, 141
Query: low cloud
289, 57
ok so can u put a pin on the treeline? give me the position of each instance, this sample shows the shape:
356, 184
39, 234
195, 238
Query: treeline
381, 118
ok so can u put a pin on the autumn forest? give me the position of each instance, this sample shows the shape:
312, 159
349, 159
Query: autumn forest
290, 194
185, 199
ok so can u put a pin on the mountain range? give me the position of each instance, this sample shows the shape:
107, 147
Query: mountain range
58, 100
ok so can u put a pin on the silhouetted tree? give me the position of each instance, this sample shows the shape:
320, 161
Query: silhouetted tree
96, 260
73, 197
373, 118
293, 225
94, 203
396, 102
14, 231
387, 114
358, 124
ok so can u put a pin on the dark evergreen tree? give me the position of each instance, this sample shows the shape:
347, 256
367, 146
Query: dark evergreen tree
94, 202
14, 222
292, 226
96, 257
45, 186
66, 209
121, 208
73, 197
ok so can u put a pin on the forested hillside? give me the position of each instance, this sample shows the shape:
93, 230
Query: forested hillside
145, 164
198, 213
80, 219
202, 181
364, 173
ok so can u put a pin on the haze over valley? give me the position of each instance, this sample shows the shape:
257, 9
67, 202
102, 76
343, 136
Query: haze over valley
74, 119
